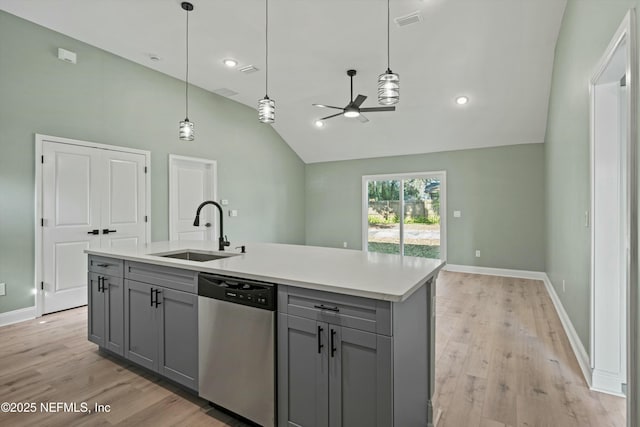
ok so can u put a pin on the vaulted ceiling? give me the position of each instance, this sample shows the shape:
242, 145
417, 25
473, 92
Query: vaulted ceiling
499, 53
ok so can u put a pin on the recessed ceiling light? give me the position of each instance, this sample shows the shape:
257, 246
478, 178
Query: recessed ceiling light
154, 58
229, 62
461, 100
319, 123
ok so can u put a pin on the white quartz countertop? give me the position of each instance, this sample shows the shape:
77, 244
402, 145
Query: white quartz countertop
345, 271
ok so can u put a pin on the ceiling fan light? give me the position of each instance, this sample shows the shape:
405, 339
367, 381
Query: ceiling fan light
388, 88
266, 110
351, 113
186, 130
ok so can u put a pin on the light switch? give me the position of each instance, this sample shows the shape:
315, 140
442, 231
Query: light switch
2, 289
224, 202
457, 214
233, 212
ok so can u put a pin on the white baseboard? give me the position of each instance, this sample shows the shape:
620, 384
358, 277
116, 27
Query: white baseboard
502, 272
16, 316
574, 339
605, 382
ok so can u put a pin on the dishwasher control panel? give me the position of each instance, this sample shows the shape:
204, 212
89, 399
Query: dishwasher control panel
238, 291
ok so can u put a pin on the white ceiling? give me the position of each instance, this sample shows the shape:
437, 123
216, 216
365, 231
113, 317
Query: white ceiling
497, 52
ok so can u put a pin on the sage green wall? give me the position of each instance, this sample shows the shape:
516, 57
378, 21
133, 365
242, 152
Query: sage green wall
107, 99
500, 192
587, 28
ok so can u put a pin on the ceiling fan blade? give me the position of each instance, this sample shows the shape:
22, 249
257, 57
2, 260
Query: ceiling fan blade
331, 116
362, 118
370, 109
359, 100
327, 106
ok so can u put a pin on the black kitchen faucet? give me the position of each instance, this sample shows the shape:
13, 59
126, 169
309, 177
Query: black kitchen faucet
222, 239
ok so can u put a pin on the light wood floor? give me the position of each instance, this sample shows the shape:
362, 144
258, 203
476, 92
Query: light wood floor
502, 359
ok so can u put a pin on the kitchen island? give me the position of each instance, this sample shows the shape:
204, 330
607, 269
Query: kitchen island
355, 330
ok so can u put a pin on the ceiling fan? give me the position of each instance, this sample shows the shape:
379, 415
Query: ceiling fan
353, 107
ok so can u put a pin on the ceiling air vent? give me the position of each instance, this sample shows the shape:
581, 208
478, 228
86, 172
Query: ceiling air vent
248, 69
412, 18
225, 92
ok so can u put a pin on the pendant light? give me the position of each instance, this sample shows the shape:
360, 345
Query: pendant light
388, 82
266, 106
186, 127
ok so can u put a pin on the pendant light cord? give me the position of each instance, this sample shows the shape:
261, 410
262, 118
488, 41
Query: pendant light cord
388, 19
186, 85
266, 49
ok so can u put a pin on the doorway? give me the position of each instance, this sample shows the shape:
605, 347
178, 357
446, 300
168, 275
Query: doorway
614, 253
405, 214
88, 196
191, 182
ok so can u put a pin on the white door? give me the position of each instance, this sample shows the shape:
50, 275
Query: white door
71, 213
87, 193
123, 199
192, 181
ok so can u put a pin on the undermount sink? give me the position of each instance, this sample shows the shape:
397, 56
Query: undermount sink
194, 256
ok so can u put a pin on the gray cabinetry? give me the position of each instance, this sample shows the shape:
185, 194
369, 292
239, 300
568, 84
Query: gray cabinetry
106, 304
346, 361
161, 331
147, 314
359, 378
178, 337
141, 325
303, 372
331, 375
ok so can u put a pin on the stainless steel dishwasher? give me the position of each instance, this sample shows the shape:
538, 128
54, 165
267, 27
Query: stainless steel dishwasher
236, 346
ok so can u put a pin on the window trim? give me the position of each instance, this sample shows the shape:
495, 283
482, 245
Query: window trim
402, 177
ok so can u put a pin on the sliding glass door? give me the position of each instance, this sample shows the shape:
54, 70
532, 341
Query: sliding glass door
404, 214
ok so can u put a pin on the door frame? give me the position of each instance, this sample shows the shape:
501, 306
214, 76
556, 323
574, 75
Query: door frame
38, 258
214, 168
626, 33
403, 176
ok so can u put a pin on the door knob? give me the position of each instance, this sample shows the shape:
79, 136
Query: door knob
107, 231
208, 225
94, 232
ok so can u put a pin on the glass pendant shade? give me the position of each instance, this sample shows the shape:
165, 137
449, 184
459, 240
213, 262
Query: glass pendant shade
388, 88
186, 130
267, 110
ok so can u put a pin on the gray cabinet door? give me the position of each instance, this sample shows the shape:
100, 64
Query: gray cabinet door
141, 330
178, 335
360, 374
302, 372
114, 314
96, 320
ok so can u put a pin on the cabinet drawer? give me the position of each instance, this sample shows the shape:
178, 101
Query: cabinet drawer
106, 266
345, 310
160, 275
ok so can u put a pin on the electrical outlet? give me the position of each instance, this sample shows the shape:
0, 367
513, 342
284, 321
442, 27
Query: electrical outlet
563, 287
3, 290
477, 253
224, 202
233, 212
344, 244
